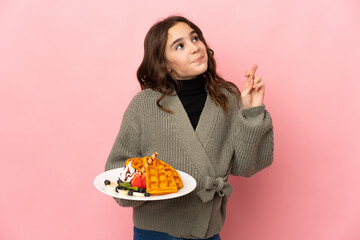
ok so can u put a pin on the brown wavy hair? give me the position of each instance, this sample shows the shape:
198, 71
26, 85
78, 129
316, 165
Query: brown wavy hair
152, 72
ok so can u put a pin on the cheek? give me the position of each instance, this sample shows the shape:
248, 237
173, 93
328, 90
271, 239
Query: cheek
203, 46
179, 61
205, 51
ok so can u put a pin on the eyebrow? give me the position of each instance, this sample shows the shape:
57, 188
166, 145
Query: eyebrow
180, 39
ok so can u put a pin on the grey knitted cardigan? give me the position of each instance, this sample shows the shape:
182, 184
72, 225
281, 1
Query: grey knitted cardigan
240, 143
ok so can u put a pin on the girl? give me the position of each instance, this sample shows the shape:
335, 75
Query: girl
199, 123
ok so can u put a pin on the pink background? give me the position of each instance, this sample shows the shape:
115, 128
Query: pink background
67, 71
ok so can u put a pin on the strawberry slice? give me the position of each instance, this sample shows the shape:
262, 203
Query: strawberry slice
143, 180
136, 180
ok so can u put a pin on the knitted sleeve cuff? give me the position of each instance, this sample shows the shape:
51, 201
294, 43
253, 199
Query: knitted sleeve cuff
253, 123
254, 114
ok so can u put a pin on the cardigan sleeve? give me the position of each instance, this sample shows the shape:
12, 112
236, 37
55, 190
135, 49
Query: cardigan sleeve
253, 141
127, 145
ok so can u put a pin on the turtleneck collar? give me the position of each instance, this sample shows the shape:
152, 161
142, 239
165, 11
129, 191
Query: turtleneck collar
197, 83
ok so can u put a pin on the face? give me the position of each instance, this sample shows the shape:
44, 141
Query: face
185, 54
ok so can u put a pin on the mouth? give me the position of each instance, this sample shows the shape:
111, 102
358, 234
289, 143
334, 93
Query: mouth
198, 60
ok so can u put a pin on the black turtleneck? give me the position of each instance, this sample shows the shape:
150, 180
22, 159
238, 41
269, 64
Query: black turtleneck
192, 95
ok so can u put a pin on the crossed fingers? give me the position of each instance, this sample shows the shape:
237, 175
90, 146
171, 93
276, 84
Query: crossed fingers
251, 73
254, 81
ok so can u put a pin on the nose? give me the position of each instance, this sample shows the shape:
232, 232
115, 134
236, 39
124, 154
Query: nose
194, 48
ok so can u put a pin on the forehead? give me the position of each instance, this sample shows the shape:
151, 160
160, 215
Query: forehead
179, 30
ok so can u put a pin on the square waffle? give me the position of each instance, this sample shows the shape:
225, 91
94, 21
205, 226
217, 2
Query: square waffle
158, 181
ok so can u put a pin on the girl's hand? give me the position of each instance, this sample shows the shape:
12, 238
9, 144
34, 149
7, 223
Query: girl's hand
253, 92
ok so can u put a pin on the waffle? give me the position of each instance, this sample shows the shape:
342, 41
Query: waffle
137, 163
161, 178
158, 181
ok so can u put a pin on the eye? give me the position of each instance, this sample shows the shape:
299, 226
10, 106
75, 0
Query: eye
179, 46
195, 39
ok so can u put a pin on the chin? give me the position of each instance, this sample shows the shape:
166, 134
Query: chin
204, 69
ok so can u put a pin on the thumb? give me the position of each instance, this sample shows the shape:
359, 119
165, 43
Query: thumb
248, 86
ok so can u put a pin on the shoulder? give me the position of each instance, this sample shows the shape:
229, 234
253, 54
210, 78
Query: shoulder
140, 102
143, 97
233, 101
234, 96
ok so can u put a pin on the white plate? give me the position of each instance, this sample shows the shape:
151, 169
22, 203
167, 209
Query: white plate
113, 175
